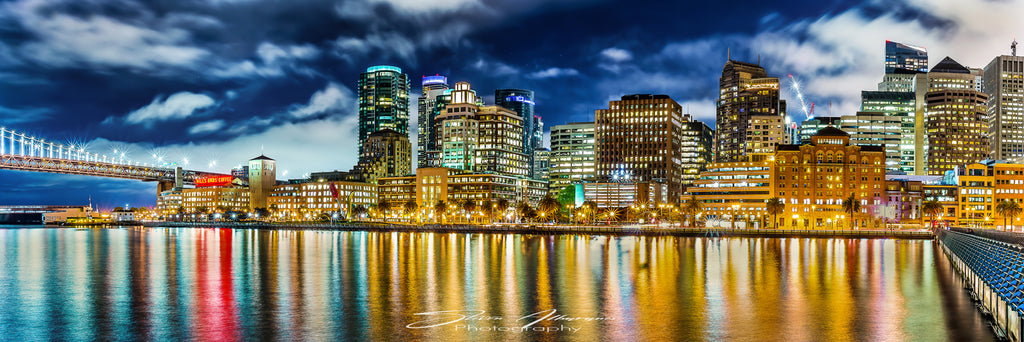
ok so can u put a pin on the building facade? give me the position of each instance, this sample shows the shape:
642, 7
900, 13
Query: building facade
541, 164
896, 105
1004, 86
735, 194
905, 57
764, 133
572, 155
745, 90
625, 195
521, 102
432, 185
262, 179
386, 153
810, 127
814, 179
877, 129
640, 138
957, 129
212, 200
383, 101
433, 88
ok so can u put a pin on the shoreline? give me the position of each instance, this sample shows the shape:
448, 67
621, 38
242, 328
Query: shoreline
553, 229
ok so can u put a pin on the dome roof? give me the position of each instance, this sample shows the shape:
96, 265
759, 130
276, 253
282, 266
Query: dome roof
831, 132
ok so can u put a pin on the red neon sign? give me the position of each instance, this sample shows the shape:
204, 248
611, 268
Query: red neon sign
214, 181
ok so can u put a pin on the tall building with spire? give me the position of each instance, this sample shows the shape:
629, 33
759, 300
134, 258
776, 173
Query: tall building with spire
383, 101
433, 89
747, 93
1005, 89
904, 92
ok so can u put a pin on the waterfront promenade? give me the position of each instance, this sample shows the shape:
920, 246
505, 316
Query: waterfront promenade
654, 230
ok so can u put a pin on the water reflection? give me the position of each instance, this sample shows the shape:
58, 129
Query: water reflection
224, 284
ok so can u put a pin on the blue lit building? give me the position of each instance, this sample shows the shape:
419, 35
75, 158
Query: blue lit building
899, 56
432, 93
383, 101
521, 102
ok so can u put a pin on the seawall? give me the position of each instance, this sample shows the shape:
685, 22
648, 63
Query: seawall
554, 229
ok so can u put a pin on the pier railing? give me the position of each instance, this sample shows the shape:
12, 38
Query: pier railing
994, 272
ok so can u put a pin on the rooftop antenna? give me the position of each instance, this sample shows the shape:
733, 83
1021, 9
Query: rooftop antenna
1013, 46
728, 54
758, 59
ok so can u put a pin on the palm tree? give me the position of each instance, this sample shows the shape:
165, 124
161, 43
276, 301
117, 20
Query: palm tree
775, 207
1008, 210
851, 206
488, 207
358, 211
548, 206
693, 208
383, 207
611, 214
410, 208
273, 209
469, 207
439, 208
203, 210
589, 209
522, 212
932, 208
501, 206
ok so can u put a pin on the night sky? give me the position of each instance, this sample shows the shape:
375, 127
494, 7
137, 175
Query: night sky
217, 82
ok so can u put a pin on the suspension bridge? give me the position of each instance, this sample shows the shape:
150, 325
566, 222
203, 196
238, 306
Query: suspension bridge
19, 151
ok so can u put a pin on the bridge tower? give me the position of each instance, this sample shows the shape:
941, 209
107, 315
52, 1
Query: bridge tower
178, 182
262, 178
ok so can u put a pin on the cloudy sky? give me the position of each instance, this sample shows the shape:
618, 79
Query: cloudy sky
218, 81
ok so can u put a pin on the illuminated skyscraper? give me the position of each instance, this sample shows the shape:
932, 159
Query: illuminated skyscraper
906, 57
572, 155
896, 105
383, 101
876, 129
643, 138
745, 90
521, 102
1004, 85
894, 93
957, 129
479, 138
433, 87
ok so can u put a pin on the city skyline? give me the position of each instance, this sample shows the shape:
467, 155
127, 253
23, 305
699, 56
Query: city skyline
293, 97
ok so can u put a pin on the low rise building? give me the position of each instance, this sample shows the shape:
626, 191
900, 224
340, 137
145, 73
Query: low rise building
734, 191
431, 185
902, 202
210, 200
168, 203
624, 195
814, 179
